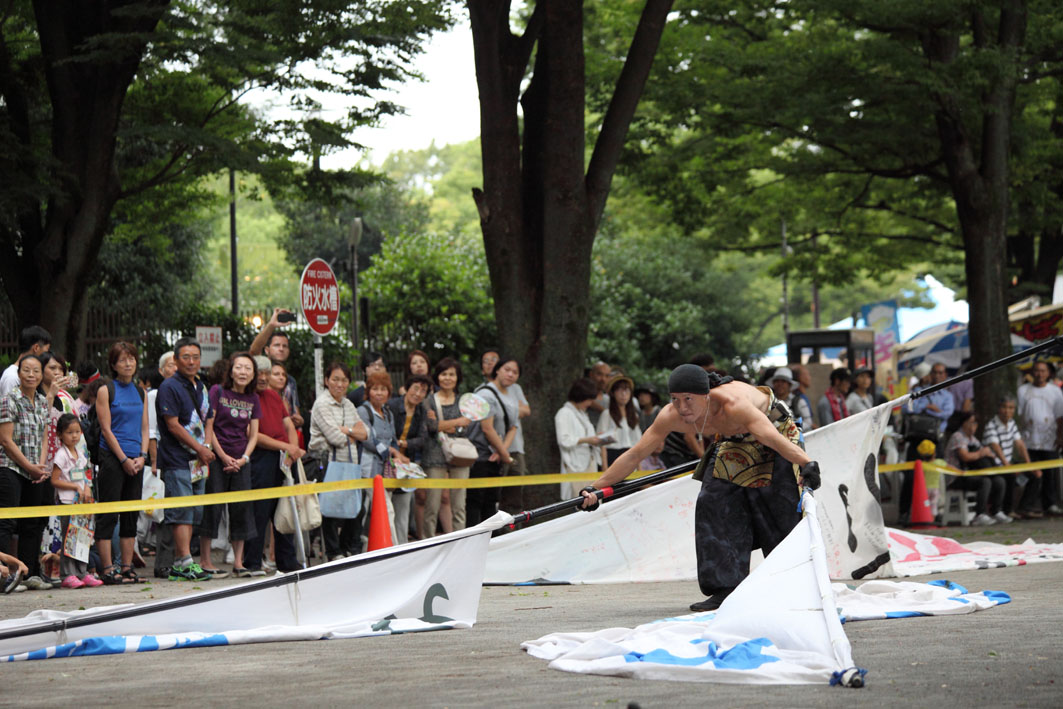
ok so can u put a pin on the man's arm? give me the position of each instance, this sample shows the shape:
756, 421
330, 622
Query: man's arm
259, 343
666, 422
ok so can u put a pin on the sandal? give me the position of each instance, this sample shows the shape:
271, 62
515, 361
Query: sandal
128, 575
113, 577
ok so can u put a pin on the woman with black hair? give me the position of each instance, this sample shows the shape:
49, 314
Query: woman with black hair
966, 452
575, 434
24, 479
123, 451
619, 426
445, 507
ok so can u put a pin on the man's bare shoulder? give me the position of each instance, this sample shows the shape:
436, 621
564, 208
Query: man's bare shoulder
734, 392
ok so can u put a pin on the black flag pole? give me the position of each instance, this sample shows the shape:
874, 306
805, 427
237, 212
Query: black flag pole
978, 371
621, 489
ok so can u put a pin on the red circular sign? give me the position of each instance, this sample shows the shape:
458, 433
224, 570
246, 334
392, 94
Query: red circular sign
319, 296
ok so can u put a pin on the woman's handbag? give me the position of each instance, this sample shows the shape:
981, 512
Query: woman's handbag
342, 504
459, 452
307, 505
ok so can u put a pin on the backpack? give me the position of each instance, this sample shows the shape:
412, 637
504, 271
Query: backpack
90, 424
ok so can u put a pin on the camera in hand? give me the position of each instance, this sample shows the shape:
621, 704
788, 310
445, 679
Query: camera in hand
285, 317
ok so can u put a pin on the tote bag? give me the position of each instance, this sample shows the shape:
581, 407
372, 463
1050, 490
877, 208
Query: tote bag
459, 452
343, 504
307, 505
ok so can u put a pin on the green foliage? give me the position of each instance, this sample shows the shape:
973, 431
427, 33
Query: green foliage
445, 176
264, 278
431, 291
322, 229
820, 113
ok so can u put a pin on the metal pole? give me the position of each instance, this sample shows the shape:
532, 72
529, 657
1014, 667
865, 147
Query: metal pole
978, 371
785, 293
352, 250
319, 365
232, 242
815, 295
621, 489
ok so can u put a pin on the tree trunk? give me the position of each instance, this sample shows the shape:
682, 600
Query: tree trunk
48, 260
539, 212
978, 175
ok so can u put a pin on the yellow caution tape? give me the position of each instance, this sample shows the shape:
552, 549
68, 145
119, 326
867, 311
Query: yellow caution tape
269, 493
999, 470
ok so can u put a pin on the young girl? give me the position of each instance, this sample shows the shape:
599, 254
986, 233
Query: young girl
72, 480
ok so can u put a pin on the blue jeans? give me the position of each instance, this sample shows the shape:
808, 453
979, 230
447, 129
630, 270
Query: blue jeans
179, 484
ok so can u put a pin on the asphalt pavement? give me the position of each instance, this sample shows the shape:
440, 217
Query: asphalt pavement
1007, 656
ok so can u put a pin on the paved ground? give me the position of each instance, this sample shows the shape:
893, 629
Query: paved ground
1007, 656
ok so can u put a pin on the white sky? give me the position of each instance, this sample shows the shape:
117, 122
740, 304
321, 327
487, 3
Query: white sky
444, 108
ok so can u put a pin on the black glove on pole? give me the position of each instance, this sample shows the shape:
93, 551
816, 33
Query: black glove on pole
810, 477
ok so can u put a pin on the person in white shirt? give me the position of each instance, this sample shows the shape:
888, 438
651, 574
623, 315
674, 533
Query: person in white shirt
575, 435
1040, 416
620, 422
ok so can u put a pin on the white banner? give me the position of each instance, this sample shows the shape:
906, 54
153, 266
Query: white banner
428, 585
849, 510
916, 554
649, 536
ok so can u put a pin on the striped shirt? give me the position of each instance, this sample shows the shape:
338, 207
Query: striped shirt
31, 418
1003, 434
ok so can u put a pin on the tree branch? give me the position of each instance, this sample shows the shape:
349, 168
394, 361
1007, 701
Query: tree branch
629, 87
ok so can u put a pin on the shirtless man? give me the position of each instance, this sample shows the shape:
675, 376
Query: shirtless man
749, 491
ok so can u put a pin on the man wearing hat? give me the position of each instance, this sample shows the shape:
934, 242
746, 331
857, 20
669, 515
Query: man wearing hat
749, 490
784, 385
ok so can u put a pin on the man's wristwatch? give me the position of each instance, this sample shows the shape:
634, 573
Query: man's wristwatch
144, 455
246, 458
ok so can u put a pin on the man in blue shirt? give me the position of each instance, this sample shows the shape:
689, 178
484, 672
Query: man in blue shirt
939, 404
184, 457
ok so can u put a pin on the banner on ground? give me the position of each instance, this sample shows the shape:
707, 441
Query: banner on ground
433, 584
916, 554
780, 626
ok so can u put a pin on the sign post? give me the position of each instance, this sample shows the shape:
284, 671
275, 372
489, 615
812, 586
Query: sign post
319, 298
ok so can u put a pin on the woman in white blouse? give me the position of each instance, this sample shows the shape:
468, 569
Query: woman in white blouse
619, 426
575, 435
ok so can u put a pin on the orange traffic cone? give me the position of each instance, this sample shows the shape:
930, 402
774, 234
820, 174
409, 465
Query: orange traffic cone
380, 527
922, 515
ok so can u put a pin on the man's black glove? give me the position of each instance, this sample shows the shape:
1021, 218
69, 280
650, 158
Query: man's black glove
810, 475
592, 490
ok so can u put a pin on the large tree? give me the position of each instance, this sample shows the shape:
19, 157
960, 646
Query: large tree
880, 132
103, 100
542, 199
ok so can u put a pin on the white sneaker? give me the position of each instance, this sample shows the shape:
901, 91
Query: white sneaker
982, 520
1055, 510
1002, 517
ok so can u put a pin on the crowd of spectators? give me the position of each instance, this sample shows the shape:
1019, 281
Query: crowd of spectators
69, 437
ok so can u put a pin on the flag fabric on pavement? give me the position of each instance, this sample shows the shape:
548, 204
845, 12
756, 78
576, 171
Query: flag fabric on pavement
916, 554
433, 584
782, 625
